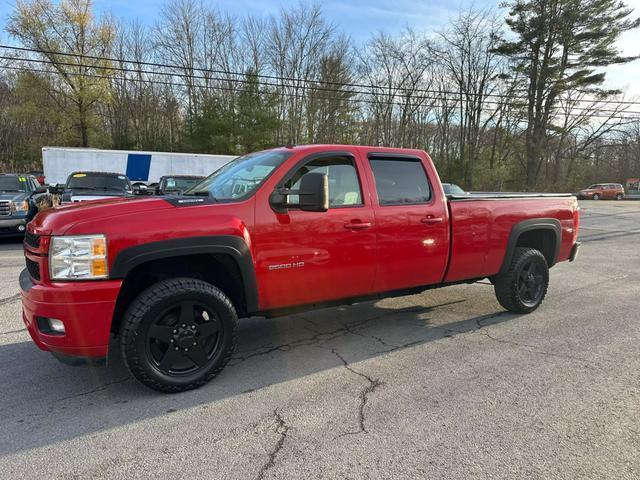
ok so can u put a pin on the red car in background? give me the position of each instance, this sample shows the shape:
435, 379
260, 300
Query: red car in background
602, 191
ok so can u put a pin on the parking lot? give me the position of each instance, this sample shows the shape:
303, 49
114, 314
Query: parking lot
442, 384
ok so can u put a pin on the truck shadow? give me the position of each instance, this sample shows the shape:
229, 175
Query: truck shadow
45, 402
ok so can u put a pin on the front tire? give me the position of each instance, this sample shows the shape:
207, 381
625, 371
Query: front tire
595, 197
619, 196
178, 334
523, 286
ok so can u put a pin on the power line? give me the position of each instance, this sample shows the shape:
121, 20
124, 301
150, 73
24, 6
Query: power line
597, 112
293, 79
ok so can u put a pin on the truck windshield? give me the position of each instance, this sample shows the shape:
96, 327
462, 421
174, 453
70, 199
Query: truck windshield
13, 184
180, 183
240, 177
93, 181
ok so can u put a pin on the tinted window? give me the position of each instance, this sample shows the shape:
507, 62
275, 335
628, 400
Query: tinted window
13, 184
97, 181
344, 186
180, 183
400, 181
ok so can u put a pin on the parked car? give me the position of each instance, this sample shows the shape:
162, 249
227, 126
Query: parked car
453, 189
271, 233
18, 194
176, 183
82, 186
602, 191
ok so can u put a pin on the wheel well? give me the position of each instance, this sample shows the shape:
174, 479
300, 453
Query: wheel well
543, 240
218, 269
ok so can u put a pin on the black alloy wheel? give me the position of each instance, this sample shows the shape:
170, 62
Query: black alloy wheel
530, 284
178, 334
184, 338
523, 286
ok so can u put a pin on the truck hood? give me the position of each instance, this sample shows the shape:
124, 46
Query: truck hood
15, 196
57, 220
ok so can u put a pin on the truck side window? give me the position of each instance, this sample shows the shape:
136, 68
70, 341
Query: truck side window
400, 181
344, 185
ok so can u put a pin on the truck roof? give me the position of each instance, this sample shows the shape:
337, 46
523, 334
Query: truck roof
102, 174
338, 146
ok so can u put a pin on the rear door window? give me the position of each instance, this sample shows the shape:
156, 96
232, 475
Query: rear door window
400, 181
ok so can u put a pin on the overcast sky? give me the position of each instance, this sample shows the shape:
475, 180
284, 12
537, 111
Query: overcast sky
359, 18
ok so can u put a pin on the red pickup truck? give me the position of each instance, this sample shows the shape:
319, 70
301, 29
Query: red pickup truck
271, 233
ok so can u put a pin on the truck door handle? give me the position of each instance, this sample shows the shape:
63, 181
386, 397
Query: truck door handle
357, 225
431, 220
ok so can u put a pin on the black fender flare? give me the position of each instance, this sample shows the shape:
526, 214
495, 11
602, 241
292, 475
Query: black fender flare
231, 245
551, 224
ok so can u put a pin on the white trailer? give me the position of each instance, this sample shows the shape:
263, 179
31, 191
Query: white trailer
147, 167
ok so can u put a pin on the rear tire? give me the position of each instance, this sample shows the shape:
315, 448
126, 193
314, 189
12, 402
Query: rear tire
523, 286
619, 196
178, 334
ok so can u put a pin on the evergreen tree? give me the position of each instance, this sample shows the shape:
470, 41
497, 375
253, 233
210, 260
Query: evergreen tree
256, 116
561, 46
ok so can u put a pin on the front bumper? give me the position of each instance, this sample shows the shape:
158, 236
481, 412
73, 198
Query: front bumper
13, 226
85, 309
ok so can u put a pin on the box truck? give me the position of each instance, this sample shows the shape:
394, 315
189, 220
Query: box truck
139, 167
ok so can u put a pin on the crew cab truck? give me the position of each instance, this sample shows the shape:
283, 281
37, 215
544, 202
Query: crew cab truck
271, 233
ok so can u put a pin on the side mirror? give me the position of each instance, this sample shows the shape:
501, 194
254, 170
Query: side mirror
313, 195
140, 189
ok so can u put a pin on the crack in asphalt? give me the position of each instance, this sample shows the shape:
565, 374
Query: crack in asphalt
535, 349
99, 388
344, 329
528, 347
282, 429
11, 299
374, 383
13, 331
318, 337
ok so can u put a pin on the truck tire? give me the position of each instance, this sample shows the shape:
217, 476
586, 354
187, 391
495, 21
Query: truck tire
523, 286
178, 334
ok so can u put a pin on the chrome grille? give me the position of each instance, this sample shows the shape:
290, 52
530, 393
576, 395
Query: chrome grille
5, 208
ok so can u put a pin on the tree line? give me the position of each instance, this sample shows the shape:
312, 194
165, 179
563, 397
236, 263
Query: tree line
500, 103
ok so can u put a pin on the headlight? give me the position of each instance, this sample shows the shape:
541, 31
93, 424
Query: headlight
78, 257
19, 206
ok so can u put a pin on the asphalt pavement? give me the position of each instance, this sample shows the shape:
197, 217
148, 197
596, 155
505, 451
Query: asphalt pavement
445, 384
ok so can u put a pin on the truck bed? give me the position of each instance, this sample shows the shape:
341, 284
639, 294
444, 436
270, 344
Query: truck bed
481, 224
